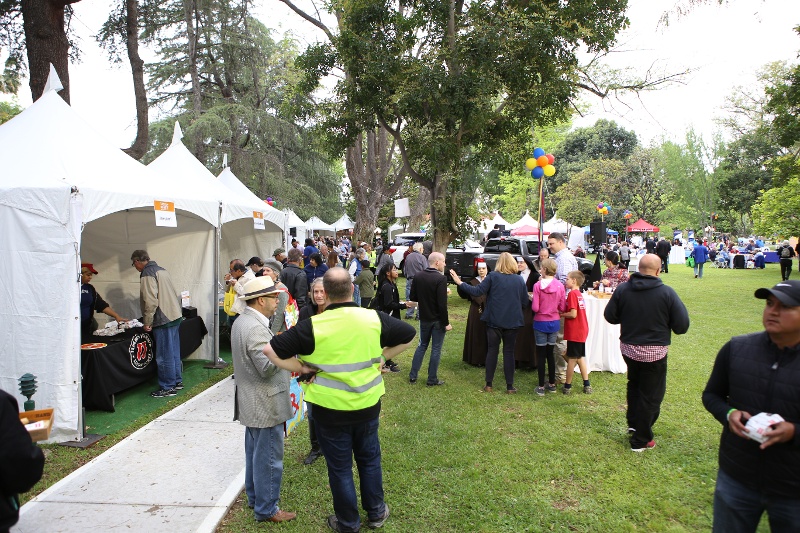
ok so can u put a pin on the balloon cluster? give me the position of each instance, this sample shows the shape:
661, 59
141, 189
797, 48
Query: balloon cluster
269, 201
603, 208
627, 214
714, 216
540, 164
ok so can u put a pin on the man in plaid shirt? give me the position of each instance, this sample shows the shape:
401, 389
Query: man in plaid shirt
648, 312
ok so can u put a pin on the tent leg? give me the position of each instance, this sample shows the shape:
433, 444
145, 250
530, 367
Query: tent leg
87, 439
217, 363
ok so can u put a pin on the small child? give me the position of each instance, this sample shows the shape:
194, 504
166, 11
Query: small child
548, 300
576, 329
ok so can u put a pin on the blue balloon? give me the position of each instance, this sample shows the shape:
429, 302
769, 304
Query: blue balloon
537, 172
537, 153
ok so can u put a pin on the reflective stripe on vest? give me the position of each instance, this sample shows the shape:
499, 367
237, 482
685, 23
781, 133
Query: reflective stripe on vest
348, 353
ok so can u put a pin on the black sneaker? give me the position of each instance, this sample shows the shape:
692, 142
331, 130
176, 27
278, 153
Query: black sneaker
392, 366
435, 383
179, 385
378, 522
163, 393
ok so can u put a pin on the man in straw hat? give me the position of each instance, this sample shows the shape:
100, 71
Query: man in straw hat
757, 374
262, 402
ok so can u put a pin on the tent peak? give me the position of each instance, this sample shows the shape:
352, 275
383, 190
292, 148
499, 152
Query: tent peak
178, 134
53, 81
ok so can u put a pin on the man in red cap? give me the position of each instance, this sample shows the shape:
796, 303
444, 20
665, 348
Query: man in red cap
91, 302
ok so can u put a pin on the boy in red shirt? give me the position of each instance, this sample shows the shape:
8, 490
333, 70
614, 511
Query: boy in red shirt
576, 329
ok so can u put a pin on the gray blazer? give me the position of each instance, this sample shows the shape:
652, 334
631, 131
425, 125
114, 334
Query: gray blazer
262, 389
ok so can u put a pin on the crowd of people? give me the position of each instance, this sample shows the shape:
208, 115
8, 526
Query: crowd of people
284, 310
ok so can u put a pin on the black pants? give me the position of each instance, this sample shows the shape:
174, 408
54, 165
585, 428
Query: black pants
664, 263
786, 268
647, 383
493, 338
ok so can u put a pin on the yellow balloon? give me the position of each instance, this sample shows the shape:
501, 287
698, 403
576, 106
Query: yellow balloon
549, 170
530, 163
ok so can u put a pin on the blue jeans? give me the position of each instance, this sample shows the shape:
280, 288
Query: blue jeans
357, 295
263, 463
428, 329
738, 509
410, 311
698, 269
168, 356
339, 445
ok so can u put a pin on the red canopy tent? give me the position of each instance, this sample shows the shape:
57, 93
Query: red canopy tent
527, 230
642, 226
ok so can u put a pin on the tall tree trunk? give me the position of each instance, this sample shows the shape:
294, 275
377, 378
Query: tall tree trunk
374, 180
46, 42
190, 12
139, 146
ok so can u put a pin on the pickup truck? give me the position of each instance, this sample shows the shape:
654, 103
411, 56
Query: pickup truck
527, 248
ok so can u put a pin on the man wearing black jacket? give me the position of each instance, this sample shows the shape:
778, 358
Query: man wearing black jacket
758, 373
663, 248
21, 461
648, 312
430, 292
295, 278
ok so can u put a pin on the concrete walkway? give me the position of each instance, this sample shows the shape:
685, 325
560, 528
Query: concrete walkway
181, 472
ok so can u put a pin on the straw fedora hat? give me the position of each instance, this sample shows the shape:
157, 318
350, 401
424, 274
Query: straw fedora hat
260, 286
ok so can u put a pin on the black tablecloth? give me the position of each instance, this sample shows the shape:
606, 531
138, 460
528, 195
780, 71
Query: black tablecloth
127, 361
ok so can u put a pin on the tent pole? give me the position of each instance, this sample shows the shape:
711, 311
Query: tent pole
216, 362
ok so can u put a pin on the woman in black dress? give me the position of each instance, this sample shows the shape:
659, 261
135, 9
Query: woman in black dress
475, 335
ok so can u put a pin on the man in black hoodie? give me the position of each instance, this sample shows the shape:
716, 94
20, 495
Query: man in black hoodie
758, 373
648, 312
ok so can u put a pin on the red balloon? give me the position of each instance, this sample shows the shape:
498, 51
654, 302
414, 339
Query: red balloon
550, 158
542, 161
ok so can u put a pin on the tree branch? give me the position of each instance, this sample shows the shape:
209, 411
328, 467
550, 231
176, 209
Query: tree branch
309, 18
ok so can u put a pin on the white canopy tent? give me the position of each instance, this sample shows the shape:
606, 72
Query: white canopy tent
229, 179
315, 224
61, 185
300, 229
497, 219
557, 224
526, 220
343, 223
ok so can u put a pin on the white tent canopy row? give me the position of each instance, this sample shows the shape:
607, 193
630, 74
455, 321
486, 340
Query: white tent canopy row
88, 201
526, 220
314, 224
343, 223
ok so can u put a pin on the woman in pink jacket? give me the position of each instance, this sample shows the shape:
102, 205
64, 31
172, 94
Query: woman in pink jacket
549, 299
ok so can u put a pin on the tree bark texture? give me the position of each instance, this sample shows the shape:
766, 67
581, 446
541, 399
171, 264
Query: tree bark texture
374, 179
139, 146
46, 42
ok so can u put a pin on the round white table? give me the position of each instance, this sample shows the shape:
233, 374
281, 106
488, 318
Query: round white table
602, 344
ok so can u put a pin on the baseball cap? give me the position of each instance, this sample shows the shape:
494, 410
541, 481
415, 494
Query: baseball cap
89, 267
787, 292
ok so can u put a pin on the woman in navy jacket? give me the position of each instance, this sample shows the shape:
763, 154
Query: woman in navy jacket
506, 297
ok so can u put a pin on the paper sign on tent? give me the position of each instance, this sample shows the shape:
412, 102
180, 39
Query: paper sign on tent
258, 220
165, 214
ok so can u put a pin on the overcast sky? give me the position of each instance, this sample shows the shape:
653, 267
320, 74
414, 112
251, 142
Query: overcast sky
725, 45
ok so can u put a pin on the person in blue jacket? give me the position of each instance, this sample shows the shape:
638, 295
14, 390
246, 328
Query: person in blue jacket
700, 254
315, 267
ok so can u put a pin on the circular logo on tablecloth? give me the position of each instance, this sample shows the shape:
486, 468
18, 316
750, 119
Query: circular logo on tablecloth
141, 350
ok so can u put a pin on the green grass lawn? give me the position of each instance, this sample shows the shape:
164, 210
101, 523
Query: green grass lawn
457, 459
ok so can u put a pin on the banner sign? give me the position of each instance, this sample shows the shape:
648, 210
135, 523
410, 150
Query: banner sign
258, 220
165, 214
298, 410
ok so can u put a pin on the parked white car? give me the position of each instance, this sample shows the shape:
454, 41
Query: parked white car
401, 243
